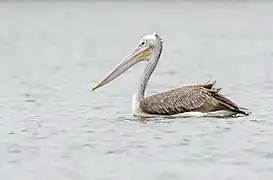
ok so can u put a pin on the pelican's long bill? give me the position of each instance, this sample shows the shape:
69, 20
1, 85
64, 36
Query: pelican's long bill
140, 54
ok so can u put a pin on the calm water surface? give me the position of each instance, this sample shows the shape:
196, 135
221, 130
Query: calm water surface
53, 127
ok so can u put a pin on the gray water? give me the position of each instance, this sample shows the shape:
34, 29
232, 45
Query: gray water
52, 126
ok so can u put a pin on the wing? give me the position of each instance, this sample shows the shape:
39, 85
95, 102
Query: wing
201, 98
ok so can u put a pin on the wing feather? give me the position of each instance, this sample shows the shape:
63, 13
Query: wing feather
202, 98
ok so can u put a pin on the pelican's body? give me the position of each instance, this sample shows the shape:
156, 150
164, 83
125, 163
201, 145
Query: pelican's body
191, 100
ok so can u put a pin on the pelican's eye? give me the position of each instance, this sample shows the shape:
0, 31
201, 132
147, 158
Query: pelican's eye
143, 43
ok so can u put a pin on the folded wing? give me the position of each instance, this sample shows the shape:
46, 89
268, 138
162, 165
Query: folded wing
198, 98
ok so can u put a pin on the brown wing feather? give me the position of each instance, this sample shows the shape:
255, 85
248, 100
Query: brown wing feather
202, 98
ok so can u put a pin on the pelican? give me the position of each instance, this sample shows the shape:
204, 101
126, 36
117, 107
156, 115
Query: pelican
191, 100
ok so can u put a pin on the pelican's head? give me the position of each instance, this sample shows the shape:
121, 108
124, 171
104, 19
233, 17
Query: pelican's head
148, 46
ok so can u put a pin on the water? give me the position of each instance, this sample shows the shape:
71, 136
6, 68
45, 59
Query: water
53, 127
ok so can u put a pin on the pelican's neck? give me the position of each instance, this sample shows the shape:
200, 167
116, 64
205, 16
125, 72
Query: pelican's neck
149, 69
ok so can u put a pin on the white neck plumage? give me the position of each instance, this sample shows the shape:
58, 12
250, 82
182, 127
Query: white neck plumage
148, 71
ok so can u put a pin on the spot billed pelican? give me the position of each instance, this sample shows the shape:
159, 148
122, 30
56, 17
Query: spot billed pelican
191, 100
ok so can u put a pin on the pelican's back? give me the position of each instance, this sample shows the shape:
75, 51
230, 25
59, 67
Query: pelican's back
193, 98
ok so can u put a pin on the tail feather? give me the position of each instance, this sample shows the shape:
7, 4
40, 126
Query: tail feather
243, 111
225, 102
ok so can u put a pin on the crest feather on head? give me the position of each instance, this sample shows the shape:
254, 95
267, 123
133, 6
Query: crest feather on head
157, 36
